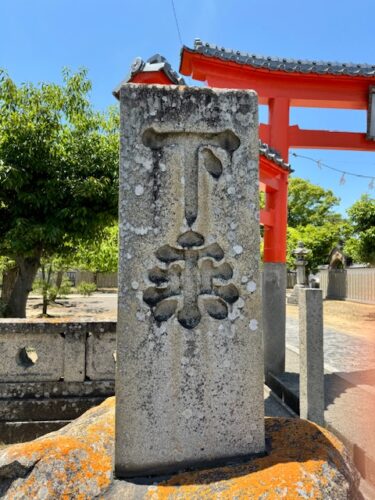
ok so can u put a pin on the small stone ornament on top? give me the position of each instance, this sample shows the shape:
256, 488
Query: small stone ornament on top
184, 285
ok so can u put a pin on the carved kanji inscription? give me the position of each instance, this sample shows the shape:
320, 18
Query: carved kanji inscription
184, 284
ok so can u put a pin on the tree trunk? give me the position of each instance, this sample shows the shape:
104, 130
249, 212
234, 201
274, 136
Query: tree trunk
44, 291
26, 272
9, 279
59, 278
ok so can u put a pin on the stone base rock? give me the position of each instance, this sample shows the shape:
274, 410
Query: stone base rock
305, 461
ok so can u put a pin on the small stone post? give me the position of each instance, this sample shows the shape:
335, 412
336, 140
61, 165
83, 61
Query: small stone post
274, 287
311, 383
189, 382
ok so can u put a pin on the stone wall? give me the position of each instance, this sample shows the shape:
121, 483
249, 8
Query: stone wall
51, 372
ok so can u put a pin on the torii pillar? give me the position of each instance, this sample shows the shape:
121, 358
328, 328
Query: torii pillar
274, 260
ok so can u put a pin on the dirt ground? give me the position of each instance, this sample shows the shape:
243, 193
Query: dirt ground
349, 317
97, 306
353, 318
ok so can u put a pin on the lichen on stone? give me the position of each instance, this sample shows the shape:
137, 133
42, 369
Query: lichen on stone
305, 461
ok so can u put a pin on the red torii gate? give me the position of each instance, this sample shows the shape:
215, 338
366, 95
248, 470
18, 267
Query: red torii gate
280, 84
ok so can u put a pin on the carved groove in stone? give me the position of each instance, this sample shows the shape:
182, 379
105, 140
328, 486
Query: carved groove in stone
212, 163
183, 285
196, 147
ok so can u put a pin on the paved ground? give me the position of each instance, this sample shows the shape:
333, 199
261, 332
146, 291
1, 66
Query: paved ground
342, 352
352, 318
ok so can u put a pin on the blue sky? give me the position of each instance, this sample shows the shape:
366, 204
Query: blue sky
39, 37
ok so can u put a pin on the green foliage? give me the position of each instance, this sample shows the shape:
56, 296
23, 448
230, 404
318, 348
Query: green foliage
5, 263
65, 288
43, 287
86, 289
311, 219
318, 239
310, 204
100, 255
58, 166
47, 286
361, 247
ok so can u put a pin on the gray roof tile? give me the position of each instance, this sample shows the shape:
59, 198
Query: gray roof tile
284, 64
274, 156
154, 63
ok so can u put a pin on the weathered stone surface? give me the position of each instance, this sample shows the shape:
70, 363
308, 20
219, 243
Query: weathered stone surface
60, 389
311, 355
45, 409
190, 360
100, 355
47, 362
74, 356
29, 410
305, 461
50, 350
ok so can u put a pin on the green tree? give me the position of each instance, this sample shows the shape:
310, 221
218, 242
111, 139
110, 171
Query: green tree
318, 239
361, 247
312, 220
310, 204
100, 255
58, 175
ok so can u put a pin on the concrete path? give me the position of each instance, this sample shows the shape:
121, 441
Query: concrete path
349, 390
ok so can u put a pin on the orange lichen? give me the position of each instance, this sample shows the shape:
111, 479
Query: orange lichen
76, 462
295, 468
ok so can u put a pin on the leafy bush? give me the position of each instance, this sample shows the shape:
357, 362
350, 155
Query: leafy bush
86, 289
65, 288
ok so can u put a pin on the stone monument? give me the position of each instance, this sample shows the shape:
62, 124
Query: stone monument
189, 383
301, 252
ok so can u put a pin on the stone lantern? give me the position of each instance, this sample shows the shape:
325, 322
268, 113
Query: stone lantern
300, 253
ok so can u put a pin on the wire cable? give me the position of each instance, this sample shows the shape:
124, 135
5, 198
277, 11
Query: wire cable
176, 21
343, 173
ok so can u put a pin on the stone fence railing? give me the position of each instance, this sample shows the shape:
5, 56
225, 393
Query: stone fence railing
51, 373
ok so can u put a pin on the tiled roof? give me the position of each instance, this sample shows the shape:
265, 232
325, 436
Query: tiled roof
271, 154
154, 63
283, 64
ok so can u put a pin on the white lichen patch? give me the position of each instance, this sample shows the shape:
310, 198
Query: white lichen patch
240, 303
251, 286
135, 285
140, 316
231, 190
139, 190
253, 325
147, 164
237, 249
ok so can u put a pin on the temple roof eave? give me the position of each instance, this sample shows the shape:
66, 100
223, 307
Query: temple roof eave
284, 65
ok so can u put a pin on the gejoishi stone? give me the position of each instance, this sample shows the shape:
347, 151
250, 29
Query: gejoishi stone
189, 380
